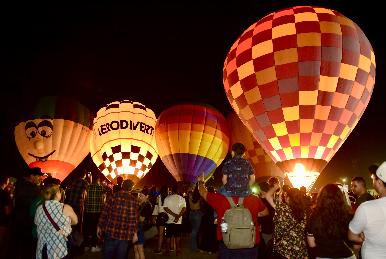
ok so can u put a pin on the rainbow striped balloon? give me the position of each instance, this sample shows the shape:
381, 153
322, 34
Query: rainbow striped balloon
191, 139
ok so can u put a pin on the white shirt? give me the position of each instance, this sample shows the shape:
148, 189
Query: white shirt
175, 203
370, 218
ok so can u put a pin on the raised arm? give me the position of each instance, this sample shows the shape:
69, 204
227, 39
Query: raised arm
270, 193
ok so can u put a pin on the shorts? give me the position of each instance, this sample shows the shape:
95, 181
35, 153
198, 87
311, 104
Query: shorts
141, 235
173, 230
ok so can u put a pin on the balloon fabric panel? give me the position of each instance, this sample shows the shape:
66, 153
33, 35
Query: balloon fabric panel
123, 141
300, 79
55, 135
191, 139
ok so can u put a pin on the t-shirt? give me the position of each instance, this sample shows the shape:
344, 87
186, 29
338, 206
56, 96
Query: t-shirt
237, 170
220, 203
175, 203
370, 218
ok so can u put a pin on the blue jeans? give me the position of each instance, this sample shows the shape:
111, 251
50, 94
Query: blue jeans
195, 222
115, 248
246, 253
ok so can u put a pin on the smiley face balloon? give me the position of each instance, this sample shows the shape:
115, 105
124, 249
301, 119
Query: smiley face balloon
55, 136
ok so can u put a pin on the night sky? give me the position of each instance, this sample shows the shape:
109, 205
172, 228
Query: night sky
158, 53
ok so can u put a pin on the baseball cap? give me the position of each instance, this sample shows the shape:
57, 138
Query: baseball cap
381, 172
35, 171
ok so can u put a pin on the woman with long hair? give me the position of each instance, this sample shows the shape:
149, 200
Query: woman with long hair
290, 222
53, 214
328, 224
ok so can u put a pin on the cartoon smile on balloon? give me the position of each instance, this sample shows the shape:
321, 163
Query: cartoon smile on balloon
55, 137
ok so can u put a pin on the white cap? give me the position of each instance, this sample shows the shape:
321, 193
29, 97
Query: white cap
381, 172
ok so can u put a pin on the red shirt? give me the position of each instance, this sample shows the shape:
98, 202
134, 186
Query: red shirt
221, 204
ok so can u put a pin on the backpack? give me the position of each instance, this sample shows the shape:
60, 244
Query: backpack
239, 228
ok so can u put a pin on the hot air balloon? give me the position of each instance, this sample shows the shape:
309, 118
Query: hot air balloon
54, 136
300, 80
191, 139
260, 160
123, 141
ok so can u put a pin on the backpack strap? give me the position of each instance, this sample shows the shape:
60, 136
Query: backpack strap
232, 203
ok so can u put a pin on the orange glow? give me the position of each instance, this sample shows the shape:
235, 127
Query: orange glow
300, 177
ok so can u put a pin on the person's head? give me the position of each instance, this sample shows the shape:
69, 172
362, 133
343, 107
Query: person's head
143, 195
238, 149
127, 185
119, 180
295, 201
379, 179
358, 185
51, 192
35, 175
264, 188
174, 189
50, 180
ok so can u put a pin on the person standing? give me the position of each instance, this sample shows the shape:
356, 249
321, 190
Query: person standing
220, 203
369, 223
51, 215
118, 223
94, 201
358, 187
195, 216
328, 224
26, 190
174, 206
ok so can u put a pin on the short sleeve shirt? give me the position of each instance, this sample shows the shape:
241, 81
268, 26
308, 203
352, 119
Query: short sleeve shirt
175, 203
370, 218
237, 170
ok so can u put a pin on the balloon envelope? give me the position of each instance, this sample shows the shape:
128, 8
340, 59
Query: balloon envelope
260, 160
300, 79
191, 139
123, 141
54, 135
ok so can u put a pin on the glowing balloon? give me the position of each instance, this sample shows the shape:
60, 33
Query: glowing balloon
123, 141
191, 140
260, 160
300, 79
55, 135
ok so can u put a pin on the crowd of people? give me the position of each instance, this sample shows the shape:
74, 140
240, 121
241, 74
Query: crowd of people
39, 217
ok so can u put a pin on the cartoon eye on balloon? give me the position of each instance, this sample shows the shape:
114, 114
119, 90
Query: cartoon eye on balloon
192, 140
55, 135
123, 141
300, 80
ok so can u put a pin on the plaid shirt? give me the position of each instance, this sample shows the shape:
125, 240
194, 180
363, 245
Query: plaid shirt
95, 198
120, 216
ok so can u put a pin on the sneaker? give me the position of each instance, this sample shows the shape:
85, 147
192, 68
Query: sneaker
157, 252
87, 248
95, 249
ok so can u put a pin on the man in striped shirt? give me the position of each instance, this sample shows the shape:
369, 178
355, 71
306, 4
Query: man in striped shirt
118, 223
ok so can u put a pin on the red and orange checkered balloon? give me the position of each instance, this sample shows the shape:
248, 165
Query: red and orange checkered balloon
300, 79
260, 160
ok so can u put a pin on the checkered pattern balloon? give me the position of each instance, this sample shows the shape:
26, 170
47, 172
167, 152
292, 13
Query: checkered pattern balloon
300, 79
191, 140
123, 141
260, 160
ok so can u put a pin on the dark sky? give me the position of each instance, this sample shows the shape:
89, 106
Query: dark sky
159, 53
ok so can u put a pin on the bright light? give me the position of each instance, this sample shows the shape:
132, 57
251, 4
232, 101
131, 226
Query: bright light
254, 189
300, 177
